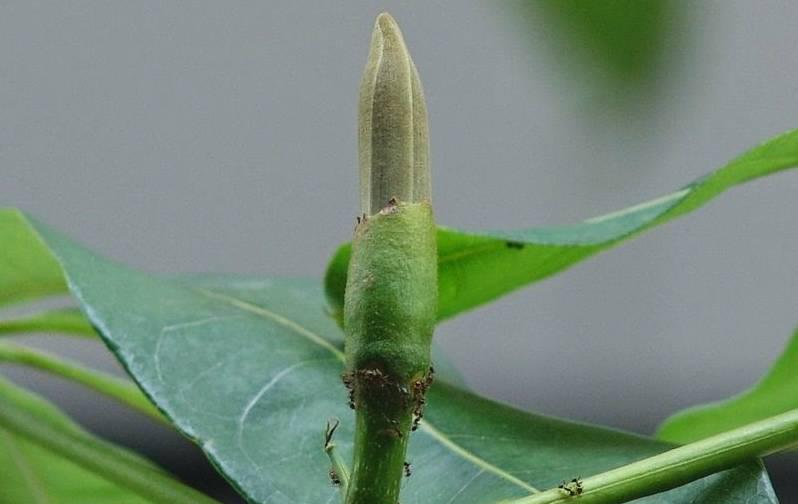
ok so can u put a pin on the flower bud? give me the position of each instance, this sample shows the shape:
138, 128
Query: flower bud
392, 124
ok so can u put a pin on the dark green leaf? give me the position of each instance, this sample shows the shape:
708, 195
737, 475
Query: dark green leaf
250, 369
774, 394
476, 268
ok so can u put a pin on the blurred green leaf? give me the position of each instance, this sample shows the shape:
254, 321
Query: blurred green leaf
46, 458
776, 393
475, 268
27, 269
66, 320
250, 368
119, 389
620, 40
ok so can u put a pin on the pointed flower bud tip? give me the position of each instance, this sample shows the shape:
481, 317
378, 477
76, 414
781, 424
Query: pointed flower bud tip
392, 124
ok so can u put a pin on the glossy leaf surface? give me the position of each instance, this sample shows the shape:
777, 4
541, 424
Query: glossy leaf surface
475, 268
774, 394
250, 369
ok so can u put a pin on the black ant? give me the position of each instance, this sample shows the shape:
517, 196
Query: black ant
417, 416
334, 478
374, 377
572, 488
349, 383
394, 430
408, 469
419, 392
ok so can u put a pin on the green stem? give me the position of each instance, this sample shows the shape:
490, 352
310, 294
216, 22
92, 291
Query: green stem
392, 291
680, 465
121, 390
389, 319
67, 320
101, 458
380, 448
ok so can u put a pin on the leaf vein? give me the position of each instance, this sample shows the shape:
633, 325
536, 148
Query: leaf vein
275, 317
428, 428
466, 485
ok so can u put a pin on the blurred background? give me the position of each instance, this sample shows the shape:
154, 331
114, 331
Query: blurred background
214, 136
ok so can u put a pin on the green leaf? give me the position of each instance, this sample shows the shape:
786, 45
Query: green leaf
48, 459
476, 268
66, 320
121, 390
773, 395
27, 269
622, 39
250, 368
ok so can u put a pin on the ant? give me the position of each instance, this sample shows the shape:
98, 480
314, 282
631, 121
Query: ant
419, 391
417, 416
394, 430
408, 469
374, 377
334, 478
572, 488
349, 383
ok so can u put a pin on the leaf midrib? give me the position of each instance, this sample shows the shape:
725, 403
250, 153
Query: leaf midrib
496, 241
426, 426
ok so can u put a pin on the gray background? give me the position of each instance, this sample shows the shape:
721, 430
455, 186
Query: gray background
220, 136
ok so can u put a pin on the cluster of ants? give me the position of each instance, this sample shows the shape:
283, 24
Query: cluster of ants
378, 378
375, 377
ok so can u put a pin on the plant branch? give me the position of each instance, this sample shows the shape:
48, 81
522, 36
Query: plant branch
118, 389
678, 466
